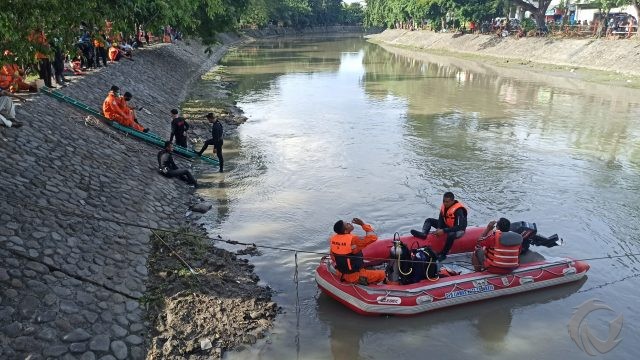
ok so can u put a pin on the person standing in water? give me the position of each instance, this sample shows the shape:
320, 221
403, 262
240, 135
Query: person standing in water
216, 139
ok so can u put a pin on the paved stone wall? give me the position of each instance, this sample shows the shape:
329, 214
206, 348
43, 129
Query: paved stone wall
70, 283
598, 54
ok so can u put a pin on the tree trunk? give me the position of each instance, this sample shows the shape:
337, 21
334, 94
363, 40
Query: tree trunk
636, 5
539, 15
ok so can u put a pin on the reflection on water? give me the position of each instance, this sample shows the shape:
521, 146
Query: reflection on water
406, 336
344, 128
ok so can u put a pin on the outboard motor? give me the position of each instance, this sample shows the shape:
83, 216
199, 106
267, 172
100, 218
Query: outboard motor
530, 237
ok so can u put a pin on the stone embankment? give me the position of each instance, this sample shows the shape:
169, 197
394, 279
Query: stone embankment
73, 265
620, 56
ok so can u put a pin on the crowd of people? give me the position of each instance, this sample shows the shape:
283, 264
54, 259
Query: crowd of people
497, 249
95, 49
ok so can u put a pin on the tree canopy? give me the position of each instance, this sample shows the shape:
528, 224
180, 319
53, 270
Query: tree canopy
389, 12
62, 20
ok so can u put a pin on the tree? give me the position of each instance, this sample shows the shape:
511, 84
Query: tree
537, 11
636, 5
352, 14
605, 7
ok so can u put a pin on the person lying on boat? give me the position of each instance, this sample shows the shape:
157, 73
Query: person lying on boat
498, 248
114, 108
168, 167
452, 222
346, 251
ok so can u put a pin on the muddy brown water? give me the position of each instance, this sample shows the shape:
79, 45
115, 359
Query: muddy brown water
343, 128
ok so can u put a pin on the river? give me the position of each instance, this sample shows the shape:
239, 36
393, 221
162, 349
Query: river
341, 128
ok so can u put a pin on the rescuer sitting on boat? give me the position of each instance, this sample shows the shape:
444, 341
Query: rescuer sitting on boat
346, 250
498, 248
452, 221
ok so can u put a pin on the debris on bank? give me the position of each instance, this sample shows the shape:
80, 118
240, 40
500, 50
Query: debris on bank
201, 300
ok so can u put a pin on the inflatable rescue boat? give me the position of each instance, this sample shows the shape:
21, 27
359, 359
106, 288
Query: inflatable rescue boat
535, 272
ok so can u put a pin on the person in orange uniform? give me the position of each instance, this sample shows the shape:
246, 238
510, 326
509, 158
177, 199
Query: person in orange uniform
44, 65
497, 250
128, 106
452, 222
114, 52
101, 51
114, 108
346, 250
11, 77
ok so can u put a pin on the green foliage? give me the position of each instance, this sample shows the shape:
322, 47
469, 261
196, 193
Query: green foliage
528, 24
352, 13
605, 6
389, 12
61, 19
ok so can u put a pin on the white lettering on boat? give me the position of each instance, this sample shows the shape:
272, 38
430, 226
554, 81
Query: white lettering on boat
388, 300
465, 292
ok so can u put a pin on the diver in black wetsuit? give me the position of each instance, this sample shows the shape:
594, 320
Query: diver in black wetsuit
168, 167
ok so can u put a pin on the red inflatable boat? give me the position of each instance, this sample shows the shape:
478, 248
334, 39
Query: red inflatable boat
534, 272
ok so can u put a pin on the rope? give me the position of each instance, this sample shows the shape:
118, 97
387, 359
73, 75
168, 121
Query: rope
173, 252
22, 203
295, 279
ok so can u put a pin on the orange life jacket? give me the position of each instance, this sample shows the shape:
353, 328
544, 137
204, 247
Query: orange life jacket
7, 75
40, 40
110, 106
503, 254
346, 261
113, 53
450, 214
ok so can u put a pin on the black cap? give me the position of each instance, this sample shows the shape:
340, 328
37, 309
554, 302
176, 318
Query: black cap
114, 88
128, 95
209, 116
174, 111
338, 227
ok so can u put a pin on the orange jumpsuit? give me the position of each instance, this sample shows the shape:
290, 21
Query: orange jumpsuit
11, 80
357, 244
114, 109
113, 53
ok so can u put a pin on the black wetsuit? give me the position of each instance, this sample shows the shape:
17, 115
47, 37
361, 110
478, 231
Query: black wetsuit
179, 127
168, 168
216, 141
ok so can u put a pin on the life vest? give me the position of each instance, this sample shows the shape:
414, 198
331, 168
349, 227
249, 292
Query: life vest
7, 75
505, 250
113, 53
346, 261
450, 214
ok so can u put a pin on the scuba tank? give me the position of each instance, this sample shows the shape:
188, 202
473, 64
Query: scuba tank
400, 267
